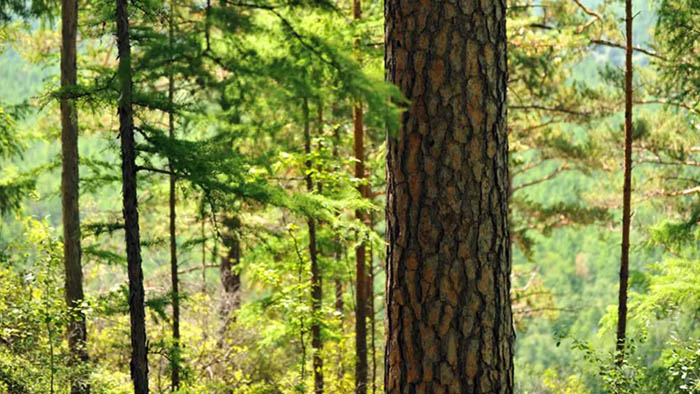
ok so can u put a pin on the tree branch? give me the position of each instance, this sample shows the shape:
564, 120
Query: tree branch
621, 46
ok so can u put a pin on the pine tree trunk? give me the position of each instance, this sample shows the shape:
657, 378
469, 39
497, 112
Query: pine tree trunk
360, 252
175, 292
139, 362
316, 289
449, 321
70, 198
626, 193
360, 266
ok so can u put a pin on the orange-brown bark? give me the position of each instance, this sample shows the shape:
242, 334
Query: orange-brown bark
449, 322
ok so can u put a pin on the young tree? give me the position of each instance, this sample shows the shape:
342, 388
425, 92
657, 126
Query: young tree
627, 191
175, 292
69, 196
360, 251
139, 361
449, 323
316, 285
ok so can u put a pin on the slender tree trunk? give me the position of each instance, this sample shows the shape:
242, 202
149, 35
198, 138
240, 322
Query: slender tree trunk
70, 198
204, 251
626, 192
360, 267
230, 264
370, 308
449, 321
139, 361
316, 285
360, 252
339, 304
175, 292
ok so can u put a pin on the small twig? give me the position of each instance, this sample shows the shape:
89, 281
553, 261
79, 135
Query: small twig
594, 14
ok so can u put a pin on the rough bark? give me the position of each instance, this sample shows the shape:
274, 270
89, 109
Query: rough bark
626, 192
175, 292
70, 198
316, 285
449, 321
137, 313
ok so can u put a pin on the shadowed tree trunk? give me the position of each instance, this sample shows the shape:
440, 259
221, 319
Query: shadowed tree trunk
139, 362
230, 265
70, 196
175, 292
316, 289
626, 193
360, 252
338, 283
449, 322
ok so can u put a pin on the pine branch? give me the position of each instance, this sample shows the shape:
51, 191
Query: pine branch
540, 180
621, 46
551, 109
198, 268
585, 9
157, 170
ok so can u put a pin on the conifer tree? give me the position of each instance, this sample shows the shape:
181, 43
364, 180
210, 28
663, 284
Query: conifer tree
139, 351
449, 324
361, 280
627, 191
175, 292
77, 333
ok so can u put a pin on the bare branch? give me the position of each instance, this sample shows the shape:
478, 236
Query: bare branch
540, 180
622, 46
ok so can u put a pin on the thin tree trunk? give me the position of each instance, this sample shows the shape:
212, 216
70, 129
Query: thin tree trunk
175, 292
339, 304
370, 308
360, 265
204, 252
230, 265
626, 192
139, 361
77, 333
316, 285
449, 324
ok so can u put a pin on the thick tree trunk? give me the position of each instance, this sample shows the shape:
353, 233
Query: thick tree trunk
316, 285
626, 192
70, 196
175, 292
139, 362
449, 322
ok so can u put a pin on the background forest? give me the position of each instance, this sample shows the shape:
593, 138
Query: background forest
260, 138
